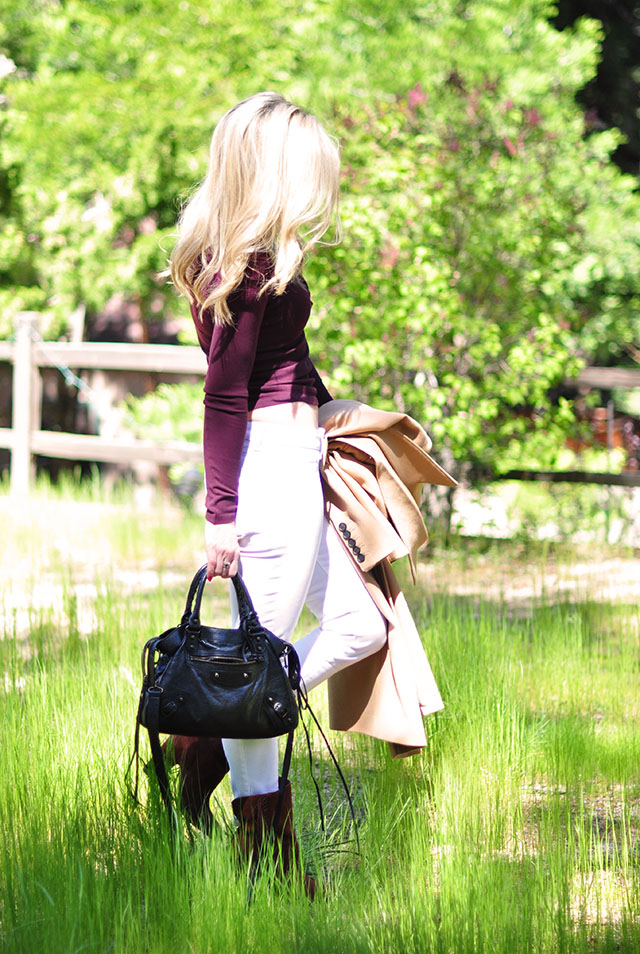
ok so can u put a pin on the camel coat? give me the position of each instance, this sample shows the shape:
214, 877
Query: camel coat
375, 463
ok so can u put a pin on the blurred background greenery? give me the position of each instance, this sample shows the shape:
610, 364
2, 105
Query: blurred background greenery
491, 237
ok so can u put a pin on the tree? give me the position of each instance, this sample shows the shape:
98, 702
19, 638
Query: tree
488, 246
610, 97
464, 286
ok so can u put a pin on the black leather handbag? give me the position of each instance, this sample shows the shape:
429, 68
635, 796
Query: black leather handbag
206, 681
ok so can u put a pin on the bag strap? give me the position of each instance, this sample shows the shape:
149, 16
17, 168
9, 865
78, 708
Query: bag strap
152, 714
248, 615
284, 775
153, 721
198, 579
303, 703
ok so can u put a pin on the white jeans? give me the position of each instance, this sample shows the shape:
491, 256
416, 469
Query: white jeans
292, 556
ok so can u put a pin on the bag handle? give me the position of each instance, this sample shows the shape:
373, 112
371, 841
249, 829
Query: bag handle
191, 617
195, 582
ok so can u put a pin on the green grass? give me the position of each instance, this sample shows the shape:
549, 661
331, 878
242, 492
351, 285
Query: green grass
516, 830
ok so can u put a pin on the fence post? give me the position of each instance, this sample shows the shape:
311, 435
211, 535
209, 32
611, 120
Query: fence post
23, 414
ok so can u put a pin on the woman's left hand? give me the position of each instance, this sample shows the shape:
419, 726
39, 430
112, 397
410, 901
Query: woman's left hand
223, 551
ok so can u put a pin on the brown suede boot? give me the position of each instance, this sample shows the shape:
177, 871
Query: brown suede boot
255, 816
203, 765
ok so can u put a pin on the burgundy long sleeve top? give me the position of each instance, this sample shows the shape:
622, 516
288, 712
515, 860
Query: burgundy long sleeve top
261, 360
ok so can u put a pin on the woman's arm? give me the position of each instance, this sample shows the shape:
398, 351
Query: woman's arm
231, 357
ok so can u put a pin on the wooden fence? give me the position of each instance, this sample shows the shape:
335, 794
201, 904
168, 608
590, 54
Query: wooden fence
25, 438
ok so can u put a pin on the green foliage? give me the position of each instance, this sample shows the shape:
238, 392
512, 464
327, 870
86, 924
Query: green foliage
488, 247
173, 412
585, 513
459, 289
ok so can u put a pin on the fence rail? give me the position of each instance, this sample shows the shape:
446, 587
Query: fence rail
629, 478
607, 378
25, 438
164, 359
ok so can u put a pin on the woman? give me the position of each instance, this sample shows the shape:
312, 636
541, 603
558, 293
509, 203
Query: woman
270, 193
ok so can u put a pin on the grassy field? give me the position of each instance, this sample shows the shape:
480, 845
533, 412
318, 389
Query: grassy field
516, 830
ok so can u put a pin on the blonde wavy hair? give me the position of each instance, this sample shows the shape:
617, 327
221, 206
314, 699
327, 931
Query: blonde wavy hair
272, 185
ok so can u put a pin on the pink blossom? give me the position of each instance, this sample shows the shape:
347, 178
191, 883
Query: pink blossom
416, 96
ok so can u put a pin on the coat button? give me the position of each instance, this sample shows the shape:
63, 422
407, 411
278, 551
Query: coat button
351, 542
356, 551
346, 534
342, 527
361, 558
